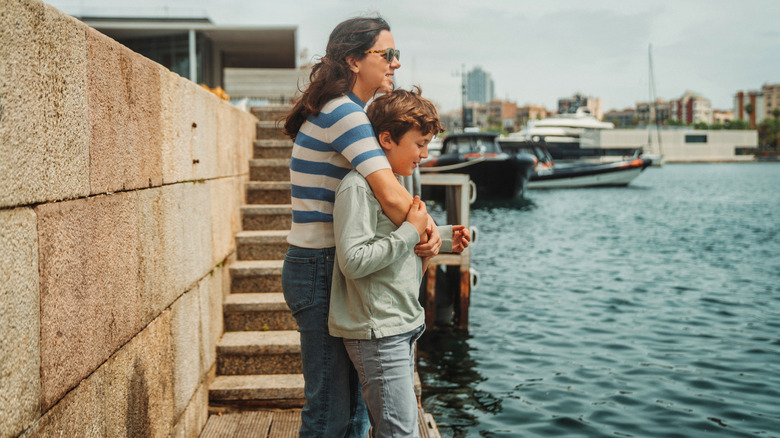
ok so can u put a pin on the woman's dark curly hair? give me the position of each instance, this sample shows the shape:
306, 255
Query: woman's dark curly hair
331, 76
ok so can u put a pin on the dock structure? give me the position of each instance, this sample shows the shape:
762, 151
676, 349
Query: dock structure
259, 388
458, 199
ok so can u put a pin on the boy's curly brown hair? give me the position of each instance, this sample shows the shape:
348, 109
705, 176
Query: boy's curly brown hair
399, 111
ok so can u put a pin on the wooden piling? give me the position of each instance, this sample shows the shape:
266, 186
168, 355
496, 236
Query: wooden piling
457, 204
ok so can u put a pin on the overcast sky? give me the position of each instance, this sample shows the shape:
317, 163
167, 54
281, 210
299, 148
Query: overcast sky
536, 51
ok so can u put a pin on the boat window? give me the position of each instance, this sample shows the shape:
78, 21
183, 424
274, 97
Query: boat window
461, 145
485, 145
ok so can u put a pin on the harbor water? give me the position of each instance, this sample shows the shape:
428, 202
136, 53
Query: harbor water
651, 310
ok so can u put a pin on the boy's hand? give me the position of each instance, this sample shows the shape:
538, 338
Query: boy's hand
460, 238
418, 216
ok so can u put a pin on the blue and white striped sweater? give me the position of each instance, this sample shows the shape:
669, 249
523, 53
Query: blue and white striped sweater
326, 148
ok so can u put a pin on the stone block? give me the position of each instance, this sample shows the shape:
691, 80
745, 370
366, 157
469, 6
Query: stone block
211, 317
81, 413
205, 164
178, 128
160, 226
44, 139
185, 330
89, 286
195, 416
20, 382
196, 231
138, 384
228, 139
123, 94
226, 197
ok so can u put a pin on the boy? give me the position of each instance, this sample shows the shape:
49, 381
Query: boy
374, 303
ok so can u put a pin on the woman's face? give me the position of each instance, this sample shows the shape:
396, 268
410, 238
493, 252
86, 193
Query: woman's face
373, 74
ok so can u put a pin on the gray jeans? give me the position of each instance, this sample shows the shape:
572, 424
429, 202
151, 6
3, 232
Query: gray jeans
386, 370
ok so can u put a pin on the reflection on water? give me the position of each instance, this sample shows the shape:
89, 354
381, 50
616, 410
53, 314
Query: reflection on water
450, 377
652, 310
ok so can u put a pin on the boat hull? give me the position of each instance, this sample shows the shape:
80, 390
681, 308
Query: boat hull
504, 178
589, 175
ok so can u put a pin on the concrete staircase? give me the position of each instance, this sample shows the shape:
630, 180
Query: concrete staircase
259, 355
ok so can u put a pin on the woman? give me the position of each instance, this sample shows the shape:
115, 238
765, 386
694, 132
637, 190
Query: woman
332, 135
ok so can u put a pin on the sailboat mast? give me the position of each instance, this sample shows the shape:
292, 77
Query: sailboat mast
653, 109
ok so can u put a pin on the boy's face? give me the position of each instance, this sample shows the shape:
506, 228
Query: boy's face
405, 155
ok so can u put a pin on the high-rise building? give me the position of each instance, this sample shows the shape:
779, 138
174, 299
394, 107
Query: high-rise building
691, 108
479, 86
749, 106
771, 94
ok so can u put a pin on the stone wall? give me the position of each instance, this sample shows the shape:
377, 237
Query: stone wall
120, 193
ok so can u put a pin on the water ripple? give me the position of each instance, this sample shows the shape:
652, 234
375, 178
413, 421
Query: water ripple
646, 311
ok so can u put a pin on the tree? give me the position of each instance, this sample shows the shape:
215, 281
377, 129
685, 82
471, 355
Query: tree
776, 113
769, 133
700, 125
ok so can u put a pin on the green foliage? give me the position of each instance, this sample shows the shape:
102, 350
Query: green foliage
769, 132
776, 113
700, 125
736, 124
749, 108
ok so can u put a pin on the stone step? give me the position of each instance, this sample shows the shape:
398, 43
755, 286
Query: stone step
275, 390
269, 169
275, 192
271, 112
262, 245
266, 217
256, 276
270, 130
257, 312
273, 148
271, 352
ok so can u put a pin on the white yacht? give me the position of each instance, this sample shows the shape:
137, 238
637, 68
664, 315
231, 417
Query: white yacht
560, 128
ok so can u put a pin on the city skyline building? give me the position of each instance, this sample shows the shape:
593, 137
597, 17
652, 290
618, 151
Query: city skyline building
771, 94
480, 87
753, 98
691, 108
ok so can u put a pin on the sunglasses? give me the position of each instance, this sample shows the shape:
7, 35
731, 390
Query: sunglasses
389, 54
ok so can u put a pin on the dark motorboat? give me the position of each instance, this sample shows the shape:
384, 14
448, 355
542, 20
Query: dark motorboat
549, 175
478, 154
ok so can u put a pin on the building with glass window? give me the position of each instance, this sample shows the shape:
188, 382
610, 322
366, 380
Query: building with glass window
255, 62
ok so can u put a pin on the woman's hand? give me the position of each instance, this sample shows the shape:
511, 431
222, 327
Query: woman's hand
431, 247
418, 216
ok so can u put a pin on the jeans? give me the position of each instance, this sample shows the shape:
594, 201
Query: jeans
386, 370
333, 405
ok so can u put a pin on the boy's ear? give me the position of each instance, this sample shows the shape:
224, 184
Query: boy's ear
386, 141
